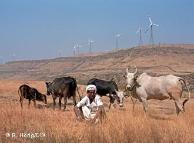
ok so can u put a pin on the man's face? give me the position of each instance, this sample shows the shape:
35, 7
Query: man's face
91, 94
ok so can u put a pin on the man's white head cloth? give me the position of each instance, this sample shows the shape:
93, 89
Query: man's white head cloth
91, 87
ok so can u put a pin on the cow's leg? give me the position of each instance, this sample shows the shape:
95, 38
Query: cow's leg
65, 102
54, 102
29, 101
21, 101
175, 94
145, 105
111, 101
185, 101
66, 94
109, 105
142, 96
179, 107
133, 102
20, 92
60, 97
74, 100
34, 103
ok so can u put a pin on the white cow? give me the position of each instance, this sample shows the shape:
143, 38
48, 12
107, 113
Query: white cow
147, 87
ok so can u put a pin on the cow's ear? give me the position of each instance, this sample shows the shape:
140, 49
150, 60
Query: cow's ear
47, 83
136, 76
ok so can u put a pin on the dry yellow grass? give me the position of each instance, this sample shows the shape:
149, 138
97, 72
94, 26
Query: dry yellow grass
160, 124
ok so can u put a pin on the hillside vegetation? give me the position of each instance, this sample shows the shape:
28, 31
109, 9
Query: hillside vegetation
158, 60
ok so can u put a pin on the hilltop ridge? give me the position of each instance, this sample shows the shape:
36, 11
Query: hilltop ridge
163, 59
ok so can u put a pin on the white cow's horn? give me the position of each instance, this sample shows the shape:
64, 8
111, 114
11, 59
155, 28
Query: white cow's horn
135, 70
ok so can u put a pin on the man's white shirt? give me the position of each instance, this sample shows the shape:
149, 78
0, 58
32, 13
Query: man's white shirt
86, 102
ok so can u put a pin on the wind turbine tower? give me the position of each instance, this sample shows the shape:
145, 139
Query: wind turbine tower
78, 49
140, 36
74, 50
117, 40
151, 31
90, 42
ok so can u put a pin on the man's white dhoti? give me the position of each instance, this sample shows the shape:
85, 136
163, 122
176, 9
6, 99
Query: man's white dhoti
87, 113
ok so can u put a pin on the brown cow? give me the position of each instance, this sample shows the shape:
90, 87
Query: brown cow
63, 87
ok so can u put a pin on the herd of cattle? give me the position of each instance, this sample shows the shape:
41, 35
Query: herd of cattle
143, 87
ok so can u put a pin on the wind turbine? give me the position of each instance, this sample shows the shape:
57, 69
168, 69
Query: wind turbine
151, 30
90, 42
140, 36
74, 50
78, 48
117, 40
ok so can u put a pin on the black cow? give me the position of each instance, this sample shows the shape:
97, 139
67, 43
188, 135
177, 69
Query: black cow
62, 87
30, 93
106, 88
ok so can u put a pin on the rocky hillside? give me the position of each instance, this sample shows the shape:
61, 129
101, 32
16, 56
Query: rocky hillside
158, 60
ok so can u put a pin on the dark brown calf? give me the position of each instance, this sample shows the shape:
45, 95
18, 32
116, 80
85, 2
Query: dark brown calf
30, 93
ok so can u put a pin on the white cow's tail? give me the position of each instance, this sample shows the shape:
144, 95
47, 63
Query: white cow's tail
181, 79
189, 96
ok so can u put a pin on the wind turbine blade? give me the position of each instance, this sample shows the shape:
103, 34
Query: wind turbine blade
155, 24
148, 28
150, 21
138, 30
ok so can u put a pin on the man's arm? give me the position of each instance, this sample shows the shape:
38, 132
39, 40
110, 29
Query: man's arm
78, 108
78, 113
101, 114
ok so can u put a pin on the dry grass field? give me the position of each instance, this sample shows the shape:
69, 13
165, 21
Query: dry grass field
122, 125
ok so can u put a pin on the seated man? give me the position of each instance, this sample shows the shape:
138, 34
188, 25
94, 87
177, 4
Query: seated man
91, 106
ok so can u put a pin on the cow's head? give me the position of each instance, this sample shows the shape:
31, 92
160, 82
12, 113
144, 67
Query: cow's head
131, 79
38, 96
48, 87
118, 96
43, 98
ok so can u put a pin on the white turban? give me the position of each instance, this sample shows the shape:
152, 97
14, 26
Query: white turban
91, 87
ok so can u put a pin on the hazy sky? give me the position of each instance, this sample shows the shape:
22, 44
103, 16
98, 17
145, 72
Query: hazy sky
38, 29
